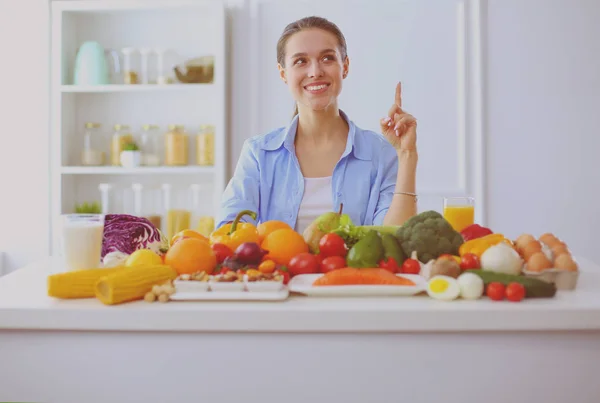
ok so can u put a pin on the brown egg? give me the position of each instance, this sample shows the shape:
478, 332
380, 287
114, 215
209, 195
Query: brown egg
560, 249
530, 249
538, 262
565, 262
549, 239
523, 240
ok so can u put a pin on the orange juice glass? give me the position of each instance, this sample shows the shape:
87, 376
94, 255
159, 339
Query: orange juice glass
459, 211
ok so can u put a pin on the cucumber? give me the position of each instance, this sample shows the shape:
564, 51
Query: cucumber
534, 288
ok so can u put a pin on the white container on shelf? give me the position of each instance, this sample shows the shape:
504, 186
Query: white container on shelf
131, 158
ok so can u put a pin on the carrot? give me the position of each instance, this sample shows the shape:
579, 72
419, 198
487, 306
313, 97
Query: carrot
367, 276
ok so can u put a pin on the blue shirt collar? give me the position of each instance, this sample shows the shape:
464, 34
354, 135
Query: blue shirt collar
285, 137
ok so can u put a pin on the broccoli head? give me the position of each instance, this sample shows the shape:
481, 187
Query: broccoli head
430, 235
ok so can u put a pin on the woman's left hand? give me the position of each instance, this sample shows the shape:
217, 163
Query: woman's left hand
399, 127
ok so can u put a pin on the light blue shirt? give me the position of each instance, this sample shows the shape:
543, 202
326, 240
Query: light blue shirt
268, 179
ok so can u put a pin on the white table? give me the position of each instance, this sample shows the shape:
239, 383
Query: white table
409, 349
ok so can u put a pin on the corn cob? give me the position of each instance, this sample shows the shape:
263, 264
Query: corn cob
76, 284
132, 283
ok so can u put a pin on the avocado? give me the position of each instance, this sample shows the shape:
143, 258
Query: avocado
367, 252
392, 248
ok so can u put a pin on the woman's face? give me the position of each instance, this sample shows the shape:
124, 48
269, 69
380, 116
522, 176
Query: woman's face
314, 68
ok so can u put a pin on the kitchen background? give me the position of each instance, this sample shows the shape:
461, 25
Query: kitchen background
505, 92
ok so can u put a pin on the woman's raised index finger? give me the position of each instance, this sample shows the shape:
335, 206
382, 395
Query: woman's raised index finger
399, 94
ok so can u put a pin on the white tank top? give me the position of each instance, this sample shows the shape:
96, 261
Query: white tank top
317, 199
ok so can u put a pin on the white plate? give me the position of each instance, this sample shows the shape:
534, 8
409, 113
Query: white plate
303, 284
231, 296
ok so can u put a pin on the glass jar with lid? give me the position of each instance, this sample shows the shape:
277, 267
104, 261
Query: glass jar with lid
150, 145
92, 154
121, 136
205, 145
176, 146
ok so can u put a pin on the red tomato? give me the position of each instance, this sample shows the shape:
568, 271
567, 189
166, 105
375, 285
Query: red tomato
303, 263
469, 261
332, 263
285, 273
515, 292
332, 245
411, 266
390, 265
221, 251
496, 291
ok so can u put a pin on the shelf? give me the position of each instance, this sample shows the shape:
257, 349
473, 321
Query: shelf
133, 88
109, 170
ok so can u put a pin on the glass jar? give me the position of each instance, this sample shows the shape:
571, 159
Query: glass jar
92, 154
176, 146
205, 145
150, 145
120, 137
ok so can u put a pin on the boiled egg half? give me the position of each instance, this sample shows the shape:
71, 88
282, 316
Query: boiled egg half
442, 287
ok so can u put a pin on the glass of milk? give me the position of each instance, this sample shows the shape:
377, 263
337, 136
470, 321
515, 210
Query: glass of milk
82, 240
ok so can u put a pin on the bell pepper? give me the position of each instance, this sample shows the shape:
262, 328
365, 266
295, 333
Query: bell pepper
479, 245
234, 234
475, 231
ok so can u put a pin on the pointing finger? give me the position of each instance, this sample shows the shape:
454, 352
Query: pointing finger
399, 95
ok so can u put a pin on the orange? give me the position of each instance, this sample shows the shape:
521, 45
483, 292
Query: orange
265, 228
283, 245
187, 233
191, 255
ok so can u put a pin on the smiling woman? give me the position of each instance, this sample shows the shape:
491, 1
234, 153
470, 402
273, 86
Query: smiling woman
321, 159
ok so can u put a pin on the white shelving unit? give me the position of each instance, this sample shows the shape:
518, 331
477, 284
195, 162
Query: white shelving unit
189, 29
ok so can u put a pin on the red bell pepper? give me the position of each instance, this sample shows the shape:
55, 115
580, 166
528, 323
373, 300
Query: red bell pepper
475, 231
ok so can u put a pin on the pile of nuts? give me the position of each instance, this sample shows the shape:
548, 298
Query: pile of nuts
160, 292
198, 276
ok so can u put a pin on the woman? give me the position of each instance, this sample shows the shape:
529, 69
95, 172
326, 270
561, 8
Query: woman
322, 160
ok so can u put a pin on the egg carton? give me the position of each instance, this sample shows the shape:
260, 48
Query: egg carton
562, 279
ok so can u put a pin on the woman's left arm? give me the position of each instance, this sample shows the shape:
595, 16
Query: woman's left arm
400, 129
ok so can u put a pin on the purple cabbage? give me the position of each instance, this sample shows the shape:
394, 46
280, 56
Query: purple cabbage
127, 233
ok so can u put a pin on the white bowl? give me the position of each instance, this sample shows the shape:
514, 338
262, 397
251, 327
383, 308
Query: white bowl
264, 286
190, 286
236, 286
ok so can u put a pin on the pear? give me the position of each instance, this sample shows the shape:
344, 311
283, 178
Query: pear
322, 225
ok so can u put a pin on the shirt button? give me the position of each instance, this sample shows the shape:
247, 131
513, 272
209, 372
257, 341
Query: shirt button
339, 194
289, 215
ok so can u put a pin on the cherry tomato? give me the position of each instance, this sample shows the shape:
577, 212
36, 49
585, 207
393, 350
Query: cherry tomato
221, 251
332, 263
267, 266
303, 263
285, 273
470, 261
496, 291
332, 245
389, 264
515, 292
411, 266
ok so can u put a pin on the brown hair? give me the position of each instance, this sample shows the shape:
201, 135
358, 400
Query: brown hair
307, 23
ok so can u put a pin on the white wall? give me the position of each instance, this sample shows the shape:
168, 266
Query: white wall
543, 119
541, 90
24, 183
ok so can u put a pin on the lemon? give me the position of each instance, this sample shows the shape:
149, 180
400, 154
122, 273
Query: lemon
143, 257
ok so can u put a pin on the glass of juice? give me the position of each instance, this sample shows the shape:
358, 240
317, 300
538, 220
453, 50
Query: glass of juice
82, 240
459, 211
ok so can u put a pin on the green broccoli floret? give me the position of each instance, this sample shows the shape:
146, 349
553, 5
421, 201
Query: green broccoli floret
430, 235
